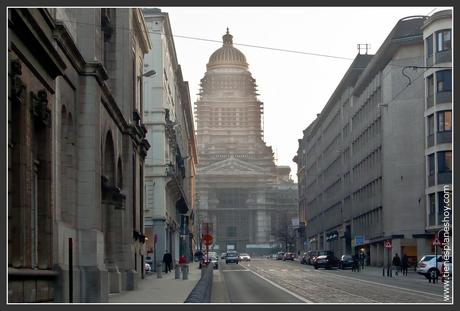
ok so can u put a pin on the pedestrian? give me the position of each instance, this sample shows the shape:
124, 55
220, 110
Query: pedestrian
396, 262
167, 260
182, 260
361, 260
404, 264
355, 266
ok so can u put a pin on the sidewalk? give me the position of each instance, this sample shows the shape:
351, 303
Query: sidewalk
164, 290
377, 271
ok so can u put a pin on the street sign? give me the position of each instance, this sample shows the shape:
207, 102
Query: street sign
436, 242
207, 239
359, 239
387, 244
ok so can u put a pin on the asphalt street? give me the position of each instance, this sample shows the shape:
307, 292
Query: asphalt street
272, 281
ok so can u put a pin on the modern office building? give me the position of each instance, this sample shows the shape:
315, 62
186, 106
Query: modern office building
437, 34
361, 163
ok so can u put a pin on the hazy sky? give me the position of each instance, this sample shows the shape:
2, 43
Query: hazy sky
293, 87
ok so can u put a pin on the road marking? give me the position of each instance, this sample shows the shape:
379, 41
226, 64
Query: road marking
235, 270
280, 287
383, 284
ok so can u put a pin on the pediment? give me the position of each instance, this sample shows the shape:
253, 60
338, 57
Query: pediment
231, 165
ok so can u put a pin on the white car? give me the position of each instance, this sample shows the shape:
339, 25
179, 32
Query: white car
147, 267
428, 267
245, 257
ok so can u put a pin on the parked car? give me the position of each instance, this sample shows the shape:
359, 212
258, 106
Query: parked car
244, 257
428, 267
346, 261
223, 255
232, 257
326, 262
280, 256
147, 267
288, 256
210, 259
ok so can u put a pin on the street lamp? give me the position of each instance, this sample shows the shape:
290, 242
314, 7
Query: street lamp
147, 74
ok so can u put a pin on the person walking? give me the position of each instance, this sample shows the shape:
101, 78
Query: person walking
361, 260
404, 264
355, 266
167, 260
396, 263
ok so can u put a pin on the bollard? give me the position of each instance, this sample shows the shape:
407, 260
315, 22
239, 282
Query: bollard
159, 276
177, 271
185, 272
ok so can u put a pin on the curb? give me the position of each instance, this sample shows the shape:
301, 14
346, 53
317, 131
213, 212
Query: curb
201, 293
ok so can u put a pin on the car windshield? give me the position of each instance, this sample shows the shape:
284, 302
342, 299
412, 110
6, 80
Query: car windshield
244, 254
427, 258
232, 254
346, 257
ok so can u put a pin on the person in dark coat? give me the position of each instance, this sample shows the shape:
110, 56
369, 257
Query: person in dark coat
167, 260
355, 266
404, 264
396, 263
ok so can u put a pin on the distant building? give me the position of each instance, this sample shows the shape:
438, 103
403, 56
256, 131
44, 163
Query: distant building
240, 190
361, 167
170, 167
76, 150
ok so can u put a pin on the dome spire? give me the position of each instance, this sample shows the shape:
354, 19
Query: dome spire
227, 38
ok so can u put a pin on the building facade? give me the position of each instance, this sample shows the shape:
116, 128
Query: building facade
437, 32
170, 168
238, 183
76, 152
361, 163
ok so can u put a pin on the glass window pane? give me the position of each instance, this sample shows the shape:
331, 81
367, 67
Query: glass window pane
431, 164
429, 45
431, 125
448, 121
441, 121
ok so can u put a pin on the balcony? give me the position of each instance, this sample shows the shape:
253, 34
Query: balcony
430, 140
444, 57
445, 178
444, 137
431, 180
443, 97
429, 101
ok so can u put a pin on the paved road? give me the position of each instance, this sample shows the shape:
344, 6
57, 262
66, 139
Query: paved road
234, 283
271, 281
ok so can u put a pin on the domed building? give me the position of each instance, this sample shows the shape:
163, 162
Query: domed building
238, 184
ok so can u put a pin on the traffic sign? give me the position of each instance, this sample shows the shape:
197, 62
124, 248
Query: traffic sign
436, 242
387, 244
359, 240
207, 239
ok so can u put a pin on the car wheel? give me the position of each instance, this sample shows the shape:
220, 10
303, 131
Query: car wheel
226, 262
316, 267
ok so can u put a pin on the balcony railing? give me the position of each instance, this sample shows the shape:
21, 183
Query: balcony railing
445, 178
444, 137
430, 140
443, 97
444, 57
431, 180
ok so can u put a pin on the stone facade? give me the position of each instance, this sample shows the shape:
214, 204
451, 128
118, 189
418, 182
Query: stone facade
170, 168
360, 165
238, 183
76, 151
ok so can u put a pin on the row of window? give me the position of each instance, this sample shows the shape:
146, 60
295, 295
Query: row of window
444, 162
369, 106
370, 191
442, 39
369, 224
436, 215
369, 162
368, 135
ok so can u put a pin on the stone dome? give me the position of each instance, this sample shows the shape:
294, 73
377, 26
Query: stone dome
227, 54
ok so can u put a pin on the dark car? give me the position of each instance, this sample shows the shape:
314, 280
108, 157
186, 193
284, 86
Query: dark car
232, 257
346, 261
288, 256
311, 255
326, 262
